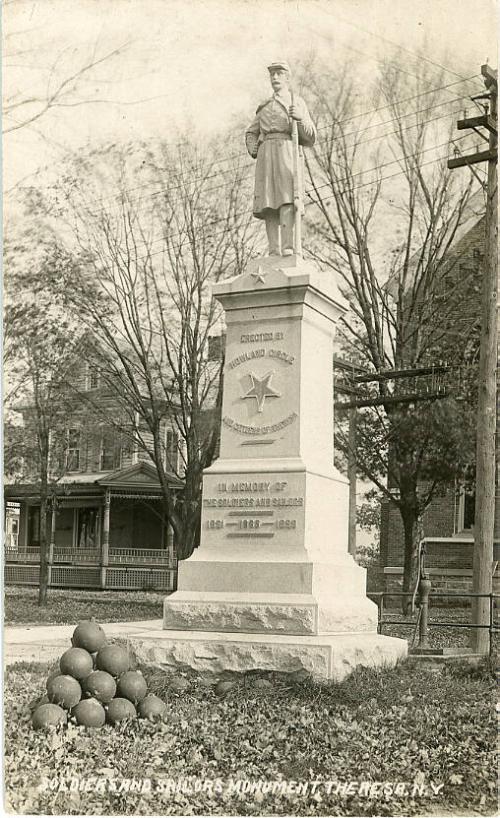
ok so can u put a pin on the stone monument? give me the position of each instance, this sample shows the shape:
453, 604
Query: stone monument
272, 585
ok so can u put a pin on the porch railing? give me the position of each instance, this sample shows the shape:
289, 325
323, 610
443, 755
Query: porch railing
70, 567
142, 556
117, 556
70, 554
29, 554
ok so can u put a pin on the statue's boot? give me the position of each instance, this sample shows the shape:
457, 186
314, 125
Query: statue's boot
287, 218
273, 232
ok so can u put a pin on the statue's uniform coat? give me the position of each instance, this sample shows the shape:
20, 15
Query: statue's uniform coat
269, 138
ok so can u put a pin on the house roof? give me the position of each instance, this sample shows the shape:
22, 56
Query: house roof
474, 212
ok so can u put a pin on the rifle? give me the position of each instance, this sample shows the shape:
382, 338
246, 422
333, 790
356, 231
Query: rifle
297, 197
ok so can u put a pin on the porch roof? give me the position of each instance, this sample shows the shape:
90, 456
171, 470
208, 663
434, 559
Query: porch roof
138, 480
139, 475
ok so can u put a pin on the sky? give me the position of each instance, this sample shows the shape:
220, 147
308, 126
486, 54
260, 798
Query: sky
200, 65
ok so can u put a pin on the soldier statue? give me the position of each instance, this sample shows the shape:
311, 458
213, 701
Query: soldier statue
269, 140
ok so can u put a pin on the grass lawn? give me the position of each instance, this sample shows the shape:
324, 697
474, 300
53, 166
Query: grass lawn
65, 607
416, 727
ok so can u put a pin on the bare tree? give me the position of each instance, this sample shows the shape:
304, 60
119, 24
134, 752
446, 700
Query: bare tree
137, 272
38, 361
23, 107
401, 315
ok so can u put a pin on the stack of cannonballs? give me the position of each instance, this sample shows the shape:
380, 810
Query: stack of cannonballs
94, 684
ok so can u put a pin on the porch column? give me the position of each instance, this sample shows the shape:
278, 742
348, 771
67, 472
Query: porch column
170, 542
24, 513
52, 540
105, 538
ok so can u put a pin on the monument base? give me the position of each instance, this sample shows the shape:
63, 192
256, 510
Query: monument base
281, 614
323, 657
271, 586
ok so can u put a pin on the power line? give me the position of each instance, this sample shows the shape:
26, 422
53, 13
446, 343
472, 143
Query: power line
343, 121
377, 110
391, 133
378, 60
399, 117
386, 164
326, 184
396, 45
251, 165
307, 204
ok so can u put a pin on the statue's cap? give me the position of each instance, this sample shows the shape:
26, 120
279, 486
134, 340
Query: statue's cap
277, 65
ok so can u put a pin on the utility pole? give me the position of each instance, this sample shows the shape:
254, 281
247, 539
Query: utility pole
350, 368
351, 475
482, 564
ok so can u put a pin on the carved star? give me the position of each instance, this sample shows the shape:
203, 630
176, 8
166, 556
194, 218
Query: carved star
261, 389
259, 275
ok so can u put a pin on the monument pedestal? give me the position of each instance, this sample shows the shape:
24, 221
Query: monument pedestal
272, 585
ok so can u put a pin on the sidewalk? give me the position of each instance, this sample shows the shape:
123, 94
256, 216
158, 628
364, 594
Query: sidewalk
45, 643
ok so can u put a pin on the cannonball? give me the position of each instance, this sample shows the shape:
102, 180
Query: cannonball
88, 635
100, 685
113, 659
152, 708
119, 709
76, 662
132, 685
262, 684
178, 684
64, 690
90, 713
48, 715
221, 688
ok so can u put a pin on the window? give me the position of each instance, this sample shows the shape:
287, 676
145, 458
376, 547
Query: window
92, 376
171, 450
126, 452
33, 525
466, 510
12, 511
110, 452
73, 450
88, 528
469, 510
216, 347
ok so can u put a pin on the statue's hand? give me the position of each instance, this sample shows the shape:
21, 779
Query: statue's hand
295, 112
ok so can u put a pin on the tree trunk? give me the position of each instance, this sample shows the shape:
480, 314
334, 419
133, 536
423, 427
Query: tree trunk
44, 543
188, 537
412, 527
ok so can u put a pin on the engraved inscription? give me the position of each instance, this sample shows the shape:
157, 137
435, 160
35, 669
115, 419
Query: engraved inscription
259, 337
215, 524
252, 485
257, 508
258, 430
251, 502
246, 356
283, 356
286, 523
260, 353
